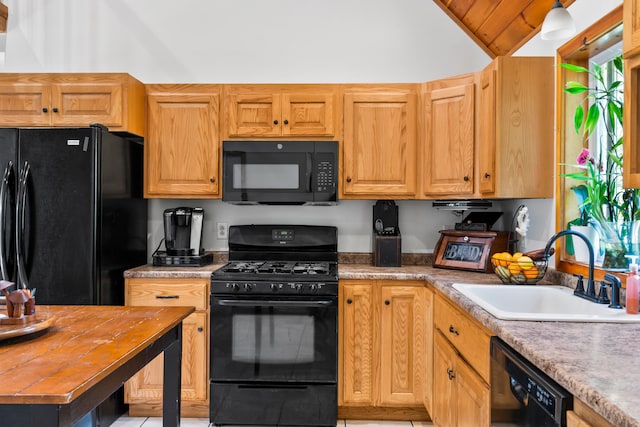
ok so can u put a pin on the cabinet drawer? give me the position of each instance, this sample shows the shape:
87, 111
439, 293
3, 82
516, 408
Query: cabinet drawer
168, 292
468, 338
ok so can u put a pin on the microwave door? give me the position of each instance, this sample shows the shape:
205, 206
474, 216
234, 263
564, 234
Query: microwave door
267, 178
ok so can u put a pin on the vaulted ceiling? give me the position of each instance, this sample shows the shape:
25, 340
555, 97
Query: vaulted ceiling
499, 27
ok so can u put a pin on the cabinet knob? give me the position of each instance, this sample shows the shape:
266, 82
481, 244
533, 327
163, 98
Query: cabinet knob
45, 110
450, 373
55, 109
349, 300
275, 122
466, 178
286, 122
387, 302
200, 329
487, 175
453, 330
212, 180
348, 179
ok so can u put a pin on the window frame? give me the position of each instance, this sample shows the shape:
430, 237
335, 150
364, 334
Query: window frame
603, 34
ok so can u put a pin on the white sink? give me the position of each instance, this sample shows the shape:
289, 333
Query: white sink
541, 303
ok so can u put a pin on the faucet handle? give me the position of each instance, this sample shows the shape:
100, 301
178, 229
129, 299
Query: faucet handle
579, 286
603, 297
615, 289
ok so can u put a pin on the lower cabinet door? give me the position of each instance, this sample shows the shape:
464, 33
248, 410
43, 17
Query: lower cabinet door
473, 398
402, 329
444, 357
146, 385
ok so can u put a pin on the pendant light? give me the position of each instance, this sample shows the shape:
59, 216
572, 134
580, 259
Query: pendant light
558, 24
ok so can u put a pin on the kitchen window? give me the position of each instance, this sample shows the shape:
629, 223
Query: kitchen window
598, 43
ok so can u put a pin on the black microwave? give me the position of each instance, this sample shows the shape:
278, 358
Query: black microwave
280, 172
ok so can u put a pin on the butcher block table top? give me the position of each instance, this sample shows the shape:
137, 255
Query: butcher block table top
56, 376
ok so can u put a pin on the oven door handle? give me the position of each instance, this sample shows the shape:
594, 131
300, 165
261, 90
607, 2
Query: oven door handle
269, 303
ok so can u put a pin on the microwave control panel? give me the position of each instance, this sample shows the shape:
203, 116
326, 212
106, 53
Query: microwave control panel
324, 170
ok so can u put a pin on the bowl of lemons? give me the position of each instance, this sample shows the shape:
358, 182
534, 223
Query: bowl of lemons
522, 269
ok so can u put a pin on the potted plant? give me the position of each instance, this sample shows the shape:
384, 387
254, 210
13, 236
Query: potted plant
613, 210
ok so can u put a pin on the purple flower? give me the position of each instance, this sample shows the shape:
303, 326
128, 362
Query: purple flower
584, 157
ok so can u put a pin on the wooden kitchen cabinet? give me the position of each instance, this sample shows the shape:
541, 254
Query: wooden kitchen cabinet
515, 120
631, 45
143, 392
583, 416
264, 111
379, 152
182, 148
631, 28
115, 100
461, 357
447, 167
381, 349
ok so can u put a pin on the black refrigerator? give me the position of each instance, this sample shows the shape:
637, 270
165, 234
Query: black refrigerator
72, 216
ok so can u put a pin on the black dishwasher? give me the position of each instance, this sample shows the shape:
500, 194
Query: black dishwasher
521, 394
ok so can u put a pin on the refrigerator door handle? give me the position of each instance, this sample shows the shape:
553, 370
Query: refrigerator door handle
4, 197
23, 282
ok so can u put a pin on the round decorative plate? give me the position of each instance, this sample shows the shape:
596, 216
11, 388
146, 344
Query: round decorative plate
26, 325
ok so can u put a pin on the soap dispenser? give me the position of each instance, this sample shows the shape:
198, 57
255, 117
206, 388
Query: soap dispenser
633, 285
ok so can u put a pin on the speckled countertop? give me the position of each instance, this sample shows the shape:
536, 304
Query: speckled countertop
596, 362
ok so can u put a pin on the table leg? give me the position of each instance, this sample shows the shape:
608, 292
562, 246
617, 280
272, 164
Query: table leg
172, 382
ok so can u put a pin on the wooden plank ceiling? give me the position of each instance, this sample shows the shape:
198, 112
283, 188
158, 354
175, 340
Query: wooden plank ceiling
499, 27
4, 14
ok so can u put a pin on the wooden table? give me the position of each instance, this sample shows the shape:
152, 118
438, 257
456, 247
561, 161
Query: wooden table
55, 377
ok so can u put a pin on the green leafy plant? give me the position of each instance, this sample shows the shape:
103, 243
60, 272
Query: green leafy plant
606, 199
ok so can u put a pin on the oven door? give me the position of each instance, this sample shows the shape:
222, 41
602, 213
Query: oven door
265, 338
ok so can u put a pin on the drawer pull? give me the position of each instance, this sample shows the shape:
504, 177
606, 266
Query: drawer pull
349, 301
200, 329
453, 330
167, 296
387, 302
450, 373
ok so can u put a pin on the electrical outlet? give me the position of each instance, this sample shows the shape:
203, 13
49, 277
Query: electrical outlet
222, 230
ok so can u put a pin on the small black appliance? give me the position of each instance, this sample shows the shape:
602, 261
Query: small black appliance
183, 239
387, 241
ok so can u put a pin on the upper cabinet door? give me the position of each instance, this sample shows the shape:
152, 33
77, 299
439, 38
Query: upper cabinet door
73, 103
25, 104
379, 151
182, 148
308, 114
487, 138
253, 115
631, 28
449, 137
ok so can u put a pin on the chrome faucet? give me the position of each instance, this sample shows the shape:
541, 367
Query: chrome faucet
590, 293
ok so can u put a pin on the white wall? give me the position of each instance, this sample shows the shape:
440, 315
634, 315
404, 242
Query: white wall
277, 41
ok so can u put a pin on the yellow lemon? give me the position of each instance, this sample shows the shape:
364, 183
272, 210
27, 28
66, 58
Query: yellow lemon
516, 256
504, 258
525, 262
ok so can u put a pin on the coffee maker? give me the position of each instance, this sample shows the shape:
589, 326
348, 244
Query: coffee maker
183, 231
182, 238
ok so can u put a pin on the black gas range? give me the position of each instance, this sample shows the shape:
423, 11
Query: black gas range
274, 327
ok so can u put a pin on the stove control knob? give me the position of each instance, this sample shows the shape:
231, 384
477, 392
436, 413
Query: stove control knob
235, 287
274, 287
299, 287
313, 287
248, 287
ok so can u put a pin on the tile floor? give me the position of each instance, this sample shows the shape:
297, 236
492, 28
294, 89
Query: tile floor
204, 422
